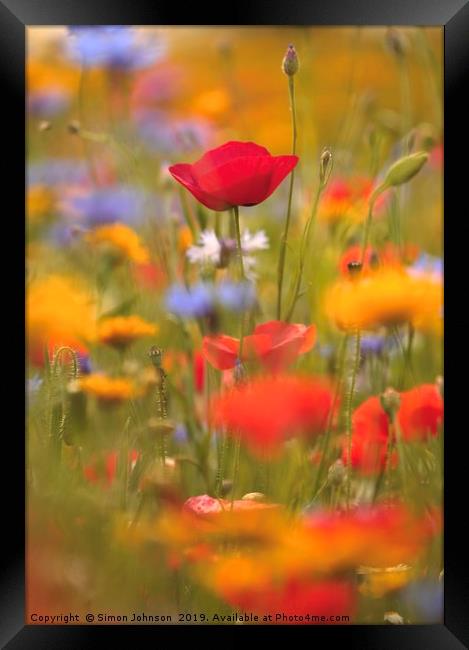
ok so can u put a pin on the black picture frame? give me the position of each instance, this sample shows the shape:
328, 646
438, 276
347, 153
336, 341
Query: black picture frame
453, 16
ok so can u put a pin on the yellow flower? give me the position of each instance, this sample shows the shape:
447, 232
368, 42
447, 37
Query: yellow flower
60, 310
387, 297
123, 330
39, 202
108, 390
121, 239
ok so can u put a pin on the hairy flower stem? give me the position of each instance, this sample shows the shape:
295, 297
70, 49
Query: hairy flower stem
366, 234
303, 246
349, 406
284, 240
237, 452
241, 270
327, 435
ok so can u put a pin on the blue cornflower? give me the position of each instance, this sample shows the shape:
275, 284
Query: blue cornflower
108, 205
117, 47
426, 597
194, 302
375, 344
427, 265
203, 299
57, 171
48, 102
236, 296
159, 133
34, 383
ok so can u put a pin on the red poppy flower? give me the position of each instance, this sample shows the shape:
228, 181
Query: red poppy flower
421, 412
370, 432
36, 350
268, 410
354, 254
237, 173
199, 371
292, 602
274, 344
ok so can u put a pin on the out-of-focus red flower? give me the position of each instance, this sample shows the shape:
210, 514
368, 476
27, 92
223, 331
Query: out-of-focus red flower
421, 412
36, 351
370, 433
354, 254
149, 275
326, 598
420, 416
236, 173
268, 410
275, 345
388, 255
103, 470
199, 371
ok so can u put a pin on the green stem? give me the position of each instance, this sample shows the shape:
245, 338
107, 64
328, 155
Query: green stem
284, 240
303, 245
237, 452
241, 269
327, 435
366, 235
356, 362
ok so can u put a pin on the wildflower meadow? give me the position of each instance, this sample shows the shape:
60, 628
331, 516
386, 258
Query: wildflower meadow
234, 288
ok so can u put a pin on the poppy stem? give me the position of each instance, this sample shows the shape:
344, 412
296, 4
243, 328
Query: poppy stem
284, 240
303, 246
241, 269
348, 419
366, 234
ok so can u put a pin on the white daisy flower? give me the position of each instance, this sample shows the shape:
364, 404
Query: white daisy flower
207, 251
256, 242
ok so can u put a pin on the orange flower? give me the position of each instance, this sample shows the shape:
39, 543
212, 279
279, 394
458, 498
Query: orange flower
348, 199
121, 331
120, 239
275, 345
268, 410
387, 297
107, 390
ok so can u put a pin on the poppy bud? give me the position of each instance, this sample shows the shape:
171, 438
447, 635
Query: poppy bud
405, 169
253, 496
325, 166
396, 42
290, 62
390, 402
74, 127
226, 487
336, 473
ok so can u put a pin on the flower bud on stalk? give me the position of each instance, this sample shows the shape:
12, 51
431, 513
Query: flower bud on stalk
325, 166
405, 168
390, 401
336, 473
354, 269
396, 42
290, 63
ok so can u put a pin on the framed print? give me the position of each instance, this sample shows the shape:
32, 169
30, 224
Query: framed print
235, 340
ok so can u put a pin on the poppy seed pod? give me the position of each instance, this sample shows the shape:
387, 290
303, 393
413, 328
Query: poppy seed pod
290, 63
390, 401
